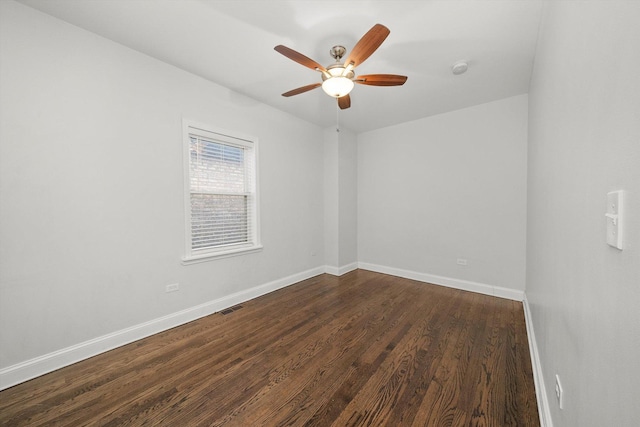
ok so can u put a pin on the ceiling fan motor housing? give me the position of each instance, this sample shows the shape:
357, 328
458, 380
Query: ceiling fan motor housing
337, 70
337, 52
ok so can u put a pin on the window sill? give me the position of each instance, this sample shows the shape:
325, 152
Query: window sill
195, 259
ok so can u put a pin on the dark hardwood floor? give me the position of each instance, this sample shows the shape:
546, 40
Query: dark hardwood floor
364, 349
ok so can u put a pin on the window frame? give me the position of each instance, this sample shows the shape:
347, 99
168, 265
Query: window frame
226, 137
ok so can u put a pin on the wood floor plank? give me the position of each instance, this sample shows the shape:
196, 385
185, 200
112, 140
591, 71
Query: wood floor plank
440, 398
377, 397
300, 405
340, 330
469, 410
361, 349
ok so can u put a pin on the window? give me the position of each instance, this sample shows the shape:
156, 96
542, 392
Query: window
221, 198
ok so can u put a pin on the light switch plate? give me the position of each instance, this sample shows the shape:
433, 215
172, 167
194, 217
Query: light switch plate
614, 217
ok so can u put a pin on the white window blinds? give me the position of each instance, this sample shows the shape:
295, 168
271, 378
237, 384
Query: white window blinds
222, 192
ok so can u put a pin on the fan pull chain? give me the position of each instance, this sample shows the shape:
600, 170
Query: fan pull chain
337, 118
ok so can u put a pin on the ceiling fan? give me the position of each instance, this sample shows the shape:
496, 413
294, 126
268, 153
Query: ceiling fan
338, 79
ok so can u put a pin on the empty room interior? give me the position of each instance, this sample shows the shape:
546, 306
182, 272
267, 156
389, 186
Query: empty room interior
330, 213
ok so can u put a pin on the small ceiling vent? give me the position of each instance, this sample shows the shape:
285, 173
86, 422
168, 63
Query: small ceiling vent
459, 67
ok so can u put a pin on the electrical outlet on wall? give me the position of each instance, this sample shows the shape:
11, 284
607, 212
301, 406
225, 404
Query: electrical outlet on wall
461, 261
172, 287
558, 391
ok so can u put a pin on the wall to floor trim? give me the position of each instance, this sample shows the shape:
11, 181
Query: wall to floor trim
339, 271
538, 378
41, 365
464, 285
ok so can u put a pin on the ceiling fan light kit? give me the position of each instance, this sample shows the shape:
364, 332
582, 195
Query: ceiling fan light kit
339, 79
337, 86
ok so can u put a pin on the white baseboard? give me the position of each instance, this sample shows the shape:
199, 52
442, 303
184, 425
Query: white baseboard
339, 271
41, 365
330, 269
464, 285
538, 378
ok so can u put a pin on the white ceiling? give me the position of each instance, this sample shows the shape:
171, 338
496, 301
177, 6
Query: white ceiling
230, 42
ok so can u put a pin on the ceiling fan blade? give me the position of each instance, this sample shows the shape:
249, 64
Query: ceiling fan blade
381, 79
299, 58
302, 89
344, 102
367, 45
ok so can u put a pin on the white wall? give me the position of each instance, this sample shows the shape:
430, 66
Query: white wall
584, 141
348, 197
331, 199
447, 187
340, 200
91, 182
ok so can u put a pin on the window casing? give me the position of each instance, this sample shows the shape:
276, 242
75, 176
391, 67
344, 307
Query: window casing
221, 193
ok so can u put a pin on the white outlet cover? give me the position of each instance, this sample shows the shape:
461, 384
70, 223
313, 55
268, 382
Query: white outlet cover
614, 216
172, 288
